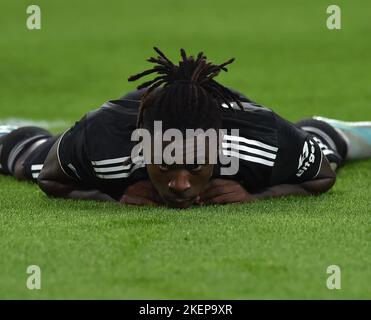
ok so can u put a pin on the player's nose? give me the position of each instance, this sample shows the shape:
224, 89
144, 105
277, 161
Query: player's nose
180, 183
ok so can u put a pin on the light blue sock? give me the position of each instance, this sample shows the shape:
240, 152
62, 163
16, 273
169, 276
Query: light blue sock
357, 136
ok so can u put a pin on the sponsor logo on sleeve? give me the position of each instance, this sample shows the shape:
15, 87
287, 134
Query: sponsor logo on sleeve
306, 158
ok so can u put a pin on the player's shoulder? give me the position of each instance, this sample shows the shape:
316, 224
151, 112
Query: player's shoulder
253, 121
114, 112
288, 134
100, 143
105, 132
111, 126
256, 120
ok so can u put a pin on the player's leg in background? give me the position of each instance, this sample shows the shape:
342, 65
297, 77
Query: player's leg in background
340, 140
30, 166
17, 144
357, 136
4, 131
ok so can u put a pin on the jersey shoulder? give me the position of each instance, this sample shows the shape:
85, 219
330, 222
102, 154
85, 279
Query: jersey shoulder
97, 150
108, 129
253, 121
271, 150
251, 138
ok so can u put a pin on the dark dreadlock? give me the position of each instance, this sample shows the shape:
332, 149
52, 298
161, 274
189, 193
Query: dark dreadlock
185, 95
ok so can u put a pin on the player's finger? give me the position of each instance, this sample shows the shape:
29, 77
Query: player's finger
223, 199
139, 201
219, 182
143, 192
212, 192
152, 194
219, 186
219, 190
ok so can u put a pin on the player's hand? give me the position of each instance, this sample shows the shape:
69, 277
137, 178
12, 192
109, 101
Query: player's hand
223, 191
141, 193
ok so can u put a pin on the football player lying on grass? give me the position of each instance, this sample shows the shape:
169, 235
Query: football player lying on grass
95, 159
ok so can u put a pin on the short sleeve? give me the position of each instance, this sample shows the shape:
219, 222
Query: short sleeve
299, 157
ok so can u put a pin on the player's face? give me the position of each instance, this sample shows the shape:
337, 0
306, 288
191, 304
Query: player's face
179, 185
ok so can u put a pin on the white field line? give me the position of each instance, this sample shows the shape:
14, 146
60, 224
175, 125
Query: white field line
19, 122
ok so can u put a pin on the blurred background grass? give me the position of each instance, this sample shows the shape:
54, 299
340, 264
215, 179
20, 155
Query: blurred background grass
286, 59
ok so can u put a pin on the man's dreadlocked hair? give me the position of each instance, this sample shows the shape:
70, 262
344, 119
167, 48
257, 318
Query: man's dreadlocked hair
185, 95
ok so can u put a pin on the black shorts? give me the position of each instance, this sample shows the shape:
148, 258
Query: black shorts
13, 144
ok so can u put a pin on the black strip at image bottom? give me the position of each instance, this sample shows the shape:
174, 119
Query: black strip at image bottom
185, 309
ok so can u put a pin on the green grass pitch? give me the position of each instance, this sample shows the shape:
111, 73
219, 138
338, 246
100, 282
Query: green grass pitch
286, 59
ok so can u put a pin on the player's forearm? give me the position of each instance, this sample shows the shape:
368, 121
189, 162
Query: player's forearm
313, 187
67, 191
281, 191
89, 195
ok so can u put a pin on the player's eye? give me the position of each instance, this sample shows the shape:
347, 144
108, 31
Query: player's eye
163, 167
196, 168
192, 168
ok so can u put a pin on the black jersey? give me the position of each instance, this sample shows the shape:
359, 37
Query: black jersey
97, 150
